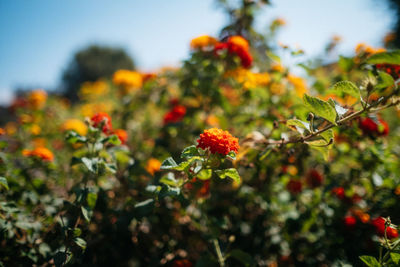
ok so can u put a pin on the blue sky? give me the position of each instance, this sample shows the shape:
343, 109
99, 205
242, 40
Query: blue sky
38, 38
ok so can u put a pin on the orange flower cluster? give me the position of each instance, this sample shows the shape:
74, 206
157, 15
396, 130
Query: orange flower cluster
175, 115
202, 42
218, 141
104, 119
75, 125
122, 135
39, 152
37, 99
236, 45
153, 166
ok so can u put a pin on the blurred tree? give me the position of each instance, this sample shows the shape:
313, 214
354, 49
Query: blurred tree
92, 63
395, 7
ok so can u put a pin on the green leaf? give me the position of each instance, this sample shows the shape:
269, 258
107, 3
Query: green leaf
4, 183
169, 163
112, 139
395, 257
186, 164
87, 213
91, 199
370, 261
385, 58
346, 87
232, 155
345, 63
73, 137
169, 191
384, 80
298, 123
169, 179
189, 152
204, 174
80, 242
77, 232
245, 258
60, 258
231, 173
327, 135
320, 108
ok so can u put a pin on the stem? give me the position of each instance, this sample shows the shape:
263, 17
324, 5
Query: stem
221, 259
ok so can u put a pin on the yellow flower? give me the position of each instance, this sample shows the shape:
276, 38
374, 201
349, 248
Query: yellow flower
35, 129
249, 79
39, 142
277, 88
153, 166
11, 128
279, 22
202, 41
88, 110
93, 89
299, 84
127, 80
212, 120
37, 98
277, 68
75, 125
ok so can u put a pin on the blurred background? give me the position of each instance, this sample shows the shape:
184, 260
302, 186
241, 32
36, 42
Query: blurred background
58, 44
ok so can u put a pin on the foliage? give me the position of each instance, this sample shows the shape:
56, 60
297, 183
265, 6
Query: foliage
139, 172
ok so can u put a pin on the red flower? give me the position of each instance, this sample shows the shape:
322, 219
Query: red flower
379, 224
175, 115
104, 119
236, 45
122, 135
393, 70
218, 141
182, 263
371, 127
350, 221
314, 178
339, 192
294, 186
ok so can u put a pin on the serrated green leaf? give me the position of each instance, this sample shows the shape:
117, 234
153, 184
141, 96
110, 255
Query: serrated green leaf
204, 174
77, 232
169, 163
298, 125
385, 58
346, 87
169, 180
189, 152
112, 139
395, 257
4, 183
91, 199
370, 261
327, 135
231, 173
186, 164
320, 108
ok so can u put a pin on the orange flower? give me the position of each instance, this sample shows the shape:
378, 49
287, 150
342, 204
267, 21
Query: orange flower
153, 165
218, 141
238, 41
2, 131
175, 115
104, 119
122, 135
202, 41
37, 98
299, 84
39, 152
182, 263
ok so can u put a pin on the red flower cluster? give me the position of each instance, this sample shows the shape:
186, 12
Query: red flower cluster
379, 224
350, 221
371, 127
104, 119
239, 46
294, 186
339, 192
314, 178
393, 70
175, 115
218, 141
182, 263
